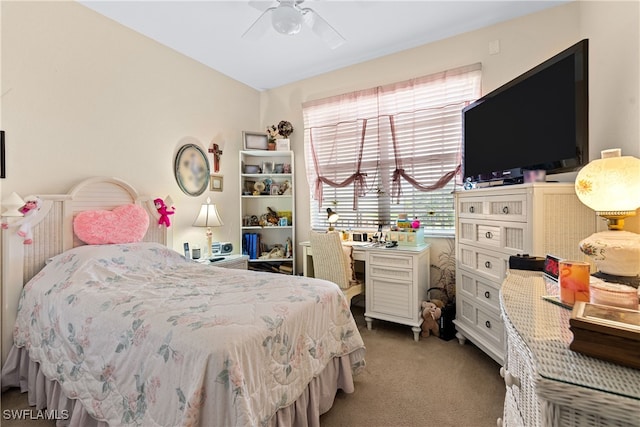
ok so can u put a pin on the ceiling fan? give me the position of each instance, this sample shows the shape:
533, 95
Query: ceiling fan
287, 17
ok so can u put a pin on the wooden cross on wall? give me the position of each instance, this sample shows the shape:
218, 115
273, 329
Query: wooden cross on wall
217, 152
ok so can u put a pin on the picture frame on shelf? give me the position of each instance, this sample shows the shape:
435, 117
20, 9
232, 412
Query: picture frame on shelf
255, 140
216, 183
283, 144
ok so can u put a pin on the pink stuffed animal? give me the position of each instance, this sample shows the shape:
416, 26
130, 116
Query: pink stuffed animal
164, 212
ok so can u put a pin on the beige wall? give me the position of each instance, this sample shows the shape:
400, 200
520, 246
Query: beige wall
84, 96
612, 28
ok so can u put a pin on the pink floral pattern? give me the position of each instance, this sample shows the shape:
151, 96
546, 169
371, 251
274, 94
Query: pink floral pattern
119, 326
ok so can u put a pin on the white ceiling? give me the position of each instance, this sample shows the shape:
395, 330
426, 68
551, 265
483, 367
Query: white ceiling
210, 31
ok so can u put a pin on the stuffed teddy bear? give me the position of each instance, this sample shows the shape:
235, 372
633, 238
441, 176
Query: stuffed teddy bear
431, 312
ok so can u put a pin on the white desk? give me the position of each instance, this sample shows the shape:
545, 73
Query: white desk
396, 281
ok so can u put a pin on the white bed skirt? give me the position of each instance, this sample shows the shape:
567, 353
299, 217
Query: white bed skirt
20, 371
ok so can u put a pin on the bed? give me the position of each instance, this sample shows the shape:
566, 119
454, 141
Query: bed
134, 334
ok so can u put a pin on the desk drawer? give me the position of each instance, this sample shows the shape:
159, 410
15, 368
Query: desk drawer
391, 273
381, 259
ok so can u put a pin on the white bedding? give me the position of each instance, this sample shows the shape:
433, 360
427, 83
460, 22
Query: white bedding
143, 337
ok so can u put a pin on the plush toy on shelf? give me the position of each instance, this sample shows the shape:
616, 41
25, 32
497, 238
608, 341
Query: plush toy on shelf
164, 211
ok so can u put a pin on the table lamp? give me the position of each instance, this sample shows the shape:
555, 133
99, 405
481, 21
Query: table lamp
208, 217
332, 217
611, 187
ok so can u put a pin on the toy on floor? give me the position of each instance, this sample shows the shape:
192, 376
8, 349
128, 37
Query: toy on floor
431, 312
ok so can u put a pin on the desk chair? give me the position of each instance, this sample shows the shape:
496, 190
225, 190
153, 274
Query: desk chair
334, 262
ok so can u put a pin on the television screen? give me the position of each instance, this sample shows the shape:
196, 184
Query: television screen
538, 121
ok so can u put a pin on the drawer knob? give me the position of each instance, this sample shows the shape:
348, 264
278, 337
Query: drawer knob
505, 210
488, 235
487, 264
487, 324
502, 371
472, 209
487, 294
511, 380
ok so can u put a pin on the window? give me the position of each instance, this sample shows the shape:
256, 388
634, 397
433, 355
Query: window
392, 149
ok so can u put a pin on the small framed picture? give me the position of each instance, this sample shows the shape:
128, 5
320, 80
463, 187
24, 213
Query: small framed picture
275, 189
283, 144
216, 183
283, 222
255, 140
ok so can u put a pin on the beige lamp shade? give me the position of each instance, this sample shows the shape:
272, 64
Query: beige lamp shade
610, 185
208, 217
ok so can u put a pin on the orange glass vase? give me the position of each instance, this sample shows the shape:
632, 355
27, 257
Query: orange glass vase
574, 281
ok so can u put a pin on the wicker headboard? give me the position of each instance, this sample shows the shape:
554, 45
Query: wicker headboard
53, 234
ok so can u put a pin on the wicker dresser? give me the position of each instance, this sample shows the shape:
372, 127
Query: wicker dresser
494, 223
547, 384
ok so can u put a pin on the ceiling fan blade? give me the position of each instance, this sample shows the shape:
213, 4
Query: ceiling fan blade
260, 5
322, 28
259, 27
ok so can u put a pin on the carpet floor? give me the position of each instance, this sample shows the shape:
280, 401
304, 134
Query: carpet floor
405, 383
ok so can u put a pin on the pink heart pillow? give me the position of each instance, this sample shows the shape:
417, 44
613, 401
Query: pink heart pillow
124, 224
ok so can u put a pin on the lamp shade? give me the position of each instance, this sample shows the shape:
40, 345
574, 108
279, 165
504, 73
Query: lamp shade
610, 185
12, 204
208, 216
332, 216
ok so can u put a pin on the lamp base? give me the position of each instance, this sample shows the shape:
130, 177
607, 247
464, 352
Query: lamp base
615, 252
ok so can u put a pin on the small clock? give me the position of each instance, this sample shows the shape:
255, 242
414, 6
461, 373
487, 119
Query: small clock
191, 168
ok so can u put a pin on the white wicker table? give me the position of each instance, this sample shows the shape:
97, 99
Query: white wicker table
547, 383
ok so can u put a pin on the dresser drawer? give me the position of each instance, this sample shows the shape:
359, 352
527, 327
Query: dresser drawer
485, 322
391, 272
508, 207
504, 236
484, 291
489, 264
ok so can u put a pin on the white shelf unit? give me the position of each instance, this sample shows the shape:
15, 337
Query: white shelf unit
258, 205
494, 223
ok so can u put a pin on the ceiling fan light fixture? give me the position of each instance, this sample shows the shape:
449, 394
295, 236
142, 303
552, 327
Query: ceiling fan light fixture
286, 19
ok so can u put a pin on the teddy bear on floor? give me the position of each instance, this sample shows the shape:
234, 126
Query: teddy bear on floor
431, 312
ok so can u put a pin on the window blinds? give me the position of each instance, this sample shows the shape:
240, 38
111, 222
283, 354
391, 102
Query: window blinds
375, 153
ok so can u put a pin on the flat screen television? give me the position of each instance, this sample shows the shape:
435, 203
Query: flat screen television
537, 121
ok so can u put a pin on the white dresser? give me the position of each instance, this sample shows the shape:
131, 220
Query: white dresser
497, 222
547, 384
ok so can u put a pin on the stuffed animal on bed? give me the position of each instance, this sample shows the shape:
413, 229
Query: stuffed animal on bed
431, 312
31, 207
164, 212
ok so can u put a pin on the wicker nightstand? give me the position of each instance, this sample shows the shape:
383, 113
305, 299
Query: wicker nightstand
547, 383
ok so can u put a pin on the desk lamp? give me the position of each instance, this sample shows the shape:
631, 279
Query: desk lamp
332, 217
208, 217
611, 187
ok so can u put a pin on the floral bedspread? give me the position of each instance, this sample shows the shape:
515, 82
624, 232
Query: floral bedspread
144, 337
